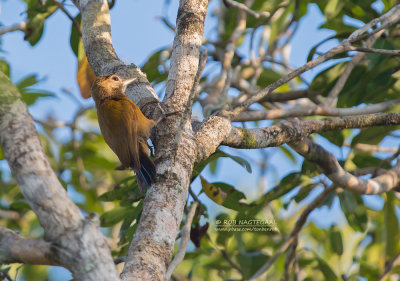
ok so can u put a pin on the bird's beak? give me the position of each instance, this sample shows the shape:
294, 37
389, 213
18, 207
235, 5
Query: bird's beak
127, 82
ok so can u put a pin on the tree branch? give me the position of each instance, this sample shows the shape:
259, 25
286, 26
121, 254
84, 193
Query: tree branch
79, 244
295, 232
246, 9
393, 263
390, 18
321, 110
19, 26
15, 249
287, 132
185, 237
96, 35
332, 169
152, 245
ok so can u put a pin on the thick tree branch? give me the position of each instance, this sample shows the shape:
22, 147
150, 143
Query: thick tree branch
79, 245
153, 242
96, 34
15, 249
332, 169
211, 134
287, 132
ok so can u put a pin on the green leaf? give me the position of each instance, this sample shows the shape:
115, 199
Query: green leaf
251, 262
233, 197
288, 153
223, 236
391, 227
335, 239
114, 216
5, 67
373, 135
326, 270
75, 36
30, 98
353, 208
334, 137
151, 68
333, 8
26, 82
34, 29
20, 206
365, 159
126, 227
127, 191
37, 13
198, 167
287, 184
267, 77
304, 192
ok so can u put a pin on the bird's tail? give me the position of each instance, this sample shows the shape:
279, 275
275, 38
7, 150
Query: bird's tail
145, 176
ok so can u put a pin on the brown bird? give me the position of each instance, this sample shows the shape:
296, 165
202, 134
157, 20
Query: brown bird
124, 127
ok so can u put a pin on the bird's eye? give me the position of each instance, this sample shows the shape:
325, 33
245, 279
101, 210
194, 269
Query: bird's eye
115, 78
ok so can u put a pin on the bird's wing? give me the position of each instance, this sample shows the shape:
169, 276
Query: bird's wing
118, 125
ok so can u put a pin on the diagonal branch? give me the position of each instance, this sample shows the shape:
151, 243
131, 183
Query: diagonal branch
246, 9
389, 267
79, 243
321, 110
185, 237
332, 169
295, 232
96, 35
357, 59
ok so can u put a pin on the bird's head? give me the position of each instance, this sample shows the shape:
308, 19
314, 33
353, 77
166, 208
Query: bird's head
109, 85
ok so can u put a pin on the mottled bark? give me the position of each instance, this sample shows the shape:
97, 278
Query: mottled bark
15, 249
153, 242
287, 132
332, 169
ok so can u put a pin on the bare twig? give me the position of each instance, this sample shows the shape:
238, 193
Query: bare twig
246, 9
74, 21
334, 92
392, 16
376, 51
295, 232
321, 110
185, 237
19, 26
290, 260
